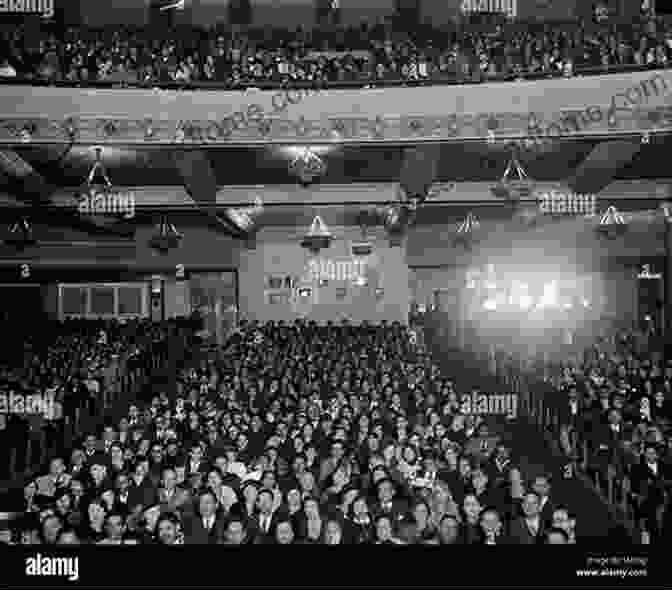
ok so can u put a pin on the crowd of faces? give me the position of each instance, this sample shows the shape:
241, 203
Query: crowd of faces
620, 385
294, 434
370, 53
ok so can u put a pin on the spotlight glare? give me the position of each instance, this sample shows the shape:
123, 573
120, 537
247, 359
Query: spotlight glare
525, 302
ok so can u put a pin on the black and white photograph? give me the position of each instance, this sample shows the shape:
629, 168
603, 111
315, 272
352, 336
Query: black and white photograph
335, 272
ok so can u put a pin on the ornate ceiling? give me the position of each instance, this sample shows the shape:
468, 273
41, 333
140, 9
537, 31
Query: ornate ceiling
270, 165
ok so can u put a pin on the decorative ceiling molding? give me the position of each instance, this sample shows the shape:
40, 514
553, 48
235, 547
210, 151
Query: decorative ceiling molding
505, 127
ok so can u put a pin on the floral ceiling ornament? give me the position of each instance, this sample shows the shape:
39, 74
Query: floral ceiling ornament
302, 127
416, 126
110, 128
307, 166
318, 236
264, 127
180, 134
453, 127
27, 132
70, 128
612, 223
466, 231
378, 131
149, 129
515, 184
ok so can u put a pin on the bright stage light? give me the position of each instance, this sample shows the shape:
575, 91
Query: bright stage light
586, 303
490, 305
525, 302
550, 297
567, 305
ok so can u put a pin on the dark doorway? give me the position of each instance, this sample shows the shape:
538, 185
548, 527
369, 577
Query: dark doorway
23, 303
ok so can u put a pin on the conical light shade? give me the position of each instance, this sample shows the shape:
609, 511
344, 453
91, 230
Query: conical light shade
20, 234
466, 231
514, 184
245, 218
97, 173
167, 238
318, 228
612, 223
318, 236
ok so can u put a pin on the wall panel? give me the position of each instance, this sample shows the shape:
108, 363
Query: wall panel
278, 253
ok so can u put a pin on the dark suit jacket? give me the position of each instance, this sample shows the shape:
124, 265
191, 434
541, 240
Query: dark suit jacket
180, 500
196, 534
651, 486
519, 533
145, 494
203, 467
498, 476
547, 513
607, 446
397, 512
268, 537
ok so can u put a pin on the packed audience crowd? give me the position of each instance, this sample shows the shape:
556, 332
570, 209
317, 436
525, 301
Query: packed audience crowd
295, 434
77, 365
616, 406
368, 54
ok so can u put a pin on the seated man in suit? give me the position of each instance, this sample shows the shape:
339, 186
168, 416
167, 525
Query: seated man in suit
172, 497
607, 438
528, 529
387, 503
206, 526
265, 522
651, 480
542, 486
493, 529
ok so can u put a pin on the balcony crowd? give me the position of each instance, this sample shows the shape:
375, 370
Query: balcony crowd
369, 54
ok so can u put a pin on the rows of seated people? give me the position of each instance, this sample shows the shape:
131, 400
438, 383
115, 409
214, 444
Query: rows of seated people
366, 54
295, 434
75, 361
619, 402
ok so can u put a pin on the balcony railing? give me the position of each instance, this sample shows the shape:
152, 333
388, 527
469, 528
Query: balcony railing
363, 82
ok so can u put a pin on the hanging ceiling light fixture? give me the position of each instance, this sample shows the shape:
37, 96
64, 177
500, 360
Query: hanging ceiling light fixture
363, 247
167, 238
612, 223
307, 166
396, 219
20, 234
666, 208
515, 184
246, 218
97, 195
466, 231
318, 236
